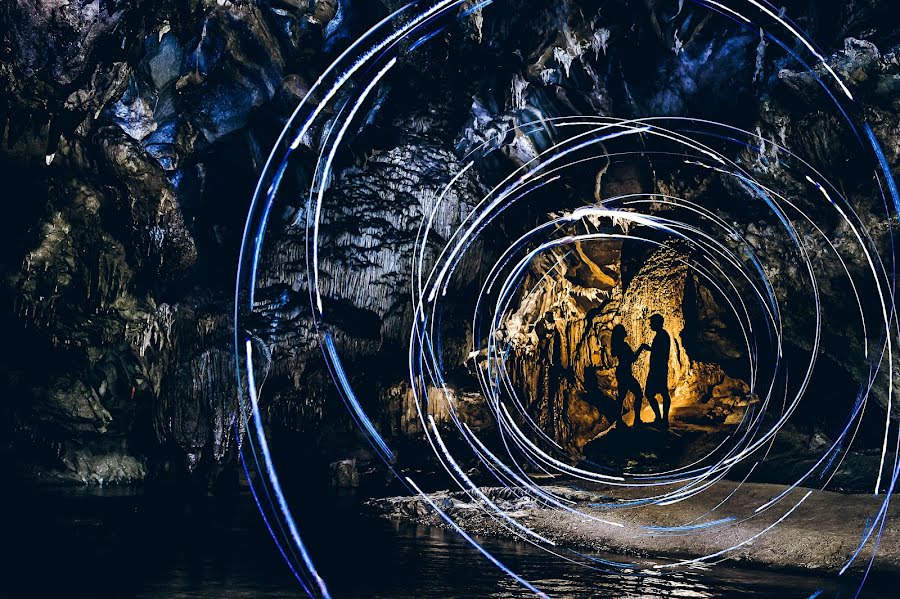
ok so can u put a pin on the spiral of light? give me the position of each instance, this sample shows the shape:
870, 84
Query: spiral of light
720, 256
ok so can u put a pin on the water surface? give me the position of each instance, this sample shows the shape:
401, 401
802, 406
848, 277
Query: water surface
135, 543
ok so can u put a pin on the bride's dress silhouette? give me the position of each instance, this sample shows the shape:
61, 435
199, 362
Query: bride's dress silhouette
625, 380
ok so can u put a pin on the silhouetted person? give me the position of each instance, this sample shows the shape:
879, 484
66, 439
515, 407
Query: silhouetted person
658, 374
625, 380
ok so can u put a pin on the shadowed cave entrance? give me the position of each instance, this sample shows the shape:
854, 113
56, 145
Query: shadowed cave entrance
566, 365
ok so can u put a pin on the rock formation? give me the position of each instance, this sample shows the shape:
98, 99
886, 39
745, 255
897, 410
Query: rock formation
132, 135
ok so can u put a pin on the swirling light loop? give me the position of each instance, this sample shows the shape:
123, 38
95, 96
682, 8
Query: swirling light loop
719, 255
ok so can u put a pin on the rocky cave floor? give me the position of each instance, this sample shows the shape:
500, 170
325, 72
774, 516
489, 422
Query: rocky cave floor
825, 530
648, 446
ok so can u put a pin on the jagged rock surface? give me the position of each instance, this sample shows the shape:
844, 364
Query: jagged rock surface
133, 133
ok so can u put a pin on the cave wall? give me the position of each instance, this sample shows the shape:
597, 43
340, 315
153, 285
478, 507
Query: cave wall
133, 133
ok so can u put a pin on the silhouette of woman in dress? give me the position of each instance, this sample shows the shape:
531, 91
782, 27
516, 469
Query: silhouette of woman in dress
625, 380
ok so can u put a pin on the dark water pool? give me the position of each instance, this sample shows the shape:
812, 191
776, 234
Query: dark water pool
131, 543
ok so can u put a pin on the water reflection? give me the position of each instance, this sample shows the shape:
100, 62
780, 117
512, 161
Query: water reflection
129, 544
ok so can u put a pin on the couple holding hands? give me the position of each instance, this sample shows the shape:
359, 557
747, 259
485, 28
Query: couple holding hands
657, 383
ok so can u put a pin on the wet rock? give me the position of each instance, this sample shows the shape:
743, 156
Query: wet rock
74, 406
159, 239
53, 45
104, 469
402, 418
344, 474
133, 112
105, 86
234, 66
189, 361
164, 56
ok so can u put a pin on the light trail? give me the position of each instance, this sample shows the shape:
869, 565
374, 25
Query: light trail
739, 273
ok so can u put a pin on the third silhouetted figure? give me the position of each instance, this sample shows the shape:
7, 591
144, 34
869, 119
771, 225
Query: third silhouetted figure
658, 374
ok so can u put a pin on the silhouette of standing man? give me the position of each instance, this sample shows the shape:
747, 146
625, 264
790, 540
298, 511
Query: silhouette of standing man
625, 380
658, 375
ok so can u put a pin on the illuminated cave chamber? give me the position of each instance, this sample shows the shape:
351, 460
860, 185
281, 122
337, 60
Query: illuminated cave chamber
559, 337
